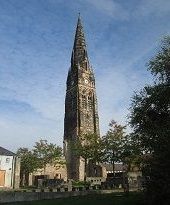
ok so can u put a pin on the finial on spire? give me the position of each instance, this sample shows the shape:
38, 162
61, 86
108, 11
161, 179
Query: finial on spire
79, 19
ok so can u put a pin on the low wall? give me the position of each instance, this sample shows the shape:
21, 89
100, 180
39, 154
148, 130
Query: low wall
7, 197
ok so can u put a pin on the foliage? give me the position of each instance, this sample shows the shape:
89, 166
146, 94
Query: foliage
150, 119
131, 152
150, 116
80, 183
29, 161
47, 153
43, 153
29, 164
89, 147
160, 64
113, 143
120, 147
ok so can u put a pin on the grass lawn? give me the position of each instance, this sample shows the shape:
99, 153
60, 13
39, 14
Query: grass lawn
105, 199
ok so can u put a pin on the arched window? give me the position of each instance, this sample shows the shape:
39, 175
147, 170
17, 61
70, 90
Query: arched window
90, 102
84, 102
86, 65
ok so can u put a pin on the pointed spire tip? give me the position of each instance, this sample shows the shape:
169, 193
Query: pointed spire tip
79, 17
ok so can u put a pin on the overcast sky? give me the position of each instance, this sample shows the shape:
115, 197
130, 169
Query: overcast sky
36, 39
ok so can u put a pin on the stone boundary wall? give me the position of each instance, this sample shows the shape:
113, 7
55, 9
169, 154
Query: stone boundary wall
9, 197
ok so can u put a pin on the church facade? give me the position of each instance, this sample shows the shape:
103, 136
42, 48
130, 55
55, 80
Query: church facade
81, 117
81, 112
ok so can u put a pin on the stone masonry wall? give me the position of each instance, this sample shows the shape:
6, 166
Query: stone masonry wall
11, 197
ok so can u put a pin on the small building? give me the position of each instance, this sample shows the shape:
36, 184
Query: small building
9, 169
118, 169
52, 172
133, 175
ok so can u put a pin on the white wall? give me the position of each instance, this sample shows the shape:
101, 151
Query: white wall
6, 163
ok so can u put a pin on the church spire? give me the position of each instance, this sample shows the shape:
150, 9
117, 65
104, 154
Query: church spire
81, 113
79, 53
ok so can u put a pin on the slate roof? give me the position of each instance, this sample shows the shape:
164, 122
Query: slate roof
6, 152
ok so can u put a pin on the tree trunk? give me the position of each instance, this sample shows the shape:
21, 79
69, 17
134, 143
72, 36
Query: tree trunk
113, 164
44, 169
85, 170
27, 179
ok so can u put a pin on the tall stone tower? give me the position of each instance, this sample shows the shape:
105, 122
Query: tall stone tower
81, 114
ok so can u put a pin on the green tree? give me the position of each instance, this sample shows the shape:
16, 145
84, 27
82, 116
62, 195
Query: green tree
42, 154
159, 65
29, 164
131, 151
47, 153
120, 147
89, 147
113, 143
150, 119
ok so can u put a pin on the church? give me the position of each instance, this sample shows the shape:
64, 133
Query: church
81, 114
81, 117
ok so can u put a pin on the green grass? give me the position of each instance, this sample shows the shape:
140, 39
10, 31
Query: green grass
105, 199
